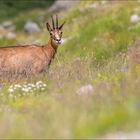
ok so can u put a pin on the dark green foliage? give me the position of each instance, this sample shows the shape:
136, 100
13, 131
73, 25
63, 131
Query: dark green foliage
10, 8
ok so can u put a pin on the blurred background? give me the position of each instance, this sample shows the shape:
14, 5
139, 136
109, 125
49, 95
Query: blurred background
26, 18
92, 87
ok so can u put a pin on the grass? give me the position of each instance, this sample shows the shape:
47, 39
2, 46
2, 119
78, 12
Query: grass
97, 53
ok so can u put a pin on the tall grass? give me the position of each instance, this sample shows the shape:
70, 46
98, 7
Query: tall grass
95, 53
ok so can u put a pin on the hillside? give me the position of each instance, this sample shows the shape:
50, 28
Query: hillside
92, 87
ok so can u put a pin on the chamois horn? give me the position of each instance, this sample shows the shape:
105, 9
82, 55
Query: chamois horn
53, 22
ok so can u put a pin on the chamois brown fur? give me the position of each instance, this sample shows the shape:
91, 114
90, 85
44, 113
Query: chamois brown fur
29, 60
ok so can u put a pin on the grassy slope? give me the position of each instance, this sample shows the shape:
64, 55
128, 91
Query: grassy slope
94, 54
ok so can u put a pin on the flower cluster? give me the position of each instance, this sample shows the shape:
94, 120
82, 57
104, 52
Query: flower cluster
26, 89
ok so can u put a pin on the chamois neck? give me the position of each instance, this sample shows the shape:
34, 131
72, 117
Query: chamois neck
50, 49
53, 44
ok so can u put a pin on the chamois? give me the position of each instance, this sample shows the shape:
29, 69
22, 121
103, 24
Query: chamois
29, 60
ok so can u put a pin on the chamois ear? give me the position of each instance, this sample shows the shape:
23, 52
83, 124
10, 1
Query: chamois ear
48, 27
61, 25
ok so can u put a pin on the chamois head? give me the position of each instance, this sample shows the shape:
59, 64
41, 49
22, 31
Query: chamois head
55, 31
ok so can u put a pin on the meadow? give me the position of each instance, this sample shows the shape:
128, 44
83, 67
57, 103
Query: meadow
92, 87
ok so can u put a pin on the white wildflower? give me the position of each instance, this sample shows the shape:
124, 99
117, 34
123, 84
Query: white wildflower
39, 82
44, 85
134, 18
18, 86
25, 89
11, 90
42, 88
29, 84
32, 85
29, 88
11, 86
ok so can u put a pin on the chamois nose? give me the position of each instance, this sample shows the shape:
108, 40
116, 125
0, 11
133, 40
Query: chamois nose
58, 39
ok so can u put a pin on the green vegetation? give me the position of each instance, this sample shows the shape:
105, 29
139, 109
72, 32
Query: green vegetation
10, 9
97, 52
